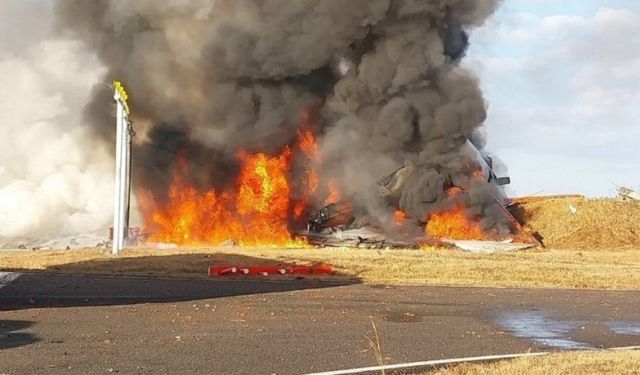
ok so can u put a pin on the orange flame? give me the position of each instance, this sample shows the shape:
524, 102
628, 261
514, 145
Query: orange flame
309, 148
454, 223
334, 193
399, 217
260, 216
263, 200
256, 211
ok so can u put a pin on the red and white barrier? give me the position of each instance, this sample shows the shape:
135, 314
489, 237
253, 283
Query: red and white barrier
275, 270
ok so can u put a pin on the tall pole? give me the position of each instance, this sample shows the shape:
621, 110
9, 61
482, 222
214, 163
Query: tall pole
123, 157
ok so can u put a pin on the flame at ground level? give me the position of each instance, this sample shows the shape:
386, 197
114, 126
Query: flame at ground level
454, 223
255, 213
258, 210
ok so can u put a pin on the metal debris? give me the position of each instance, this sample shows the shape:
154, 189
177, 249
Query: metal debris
626, 194
365, 238
489, 247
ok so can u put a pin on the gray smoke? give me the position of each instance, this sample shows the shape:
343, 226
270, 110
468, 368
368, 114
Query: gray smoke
210, 77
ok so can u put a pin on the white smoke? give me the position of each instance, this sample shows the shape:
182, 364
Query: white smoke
54, 180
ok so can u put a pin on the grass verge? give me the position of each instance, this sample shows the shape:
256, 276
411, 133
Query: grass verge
589, 362
602, 269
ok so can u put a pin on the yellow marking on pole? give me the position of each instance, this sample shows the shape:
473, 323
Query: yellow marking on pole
122, 93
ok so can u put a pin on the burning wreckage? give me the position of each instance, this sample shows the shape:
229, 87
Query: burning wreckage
344, 224
280, 116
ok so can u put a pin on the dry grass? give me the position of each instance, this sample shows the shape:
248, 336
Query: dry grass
595, 246
604, 268
376, 347
574, 222
599, 362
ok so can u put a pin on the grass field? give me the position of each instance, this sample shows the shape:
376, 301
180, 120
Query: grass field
592, 243
565, 268
599, 362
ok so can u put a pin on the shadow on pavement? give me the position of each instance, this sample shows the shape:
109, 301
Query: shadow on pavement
148, 279
11, 337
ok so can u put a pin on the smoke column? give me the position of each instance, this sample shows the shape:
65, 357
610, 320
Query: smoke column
211, 77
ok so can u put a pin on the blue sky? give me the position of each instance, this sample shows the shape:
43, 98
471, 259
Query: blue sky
562, 81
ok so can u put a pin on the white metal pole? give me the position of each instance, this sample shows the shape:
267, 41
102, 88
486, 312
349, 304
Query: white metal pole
123, 180
118, 234
124, 132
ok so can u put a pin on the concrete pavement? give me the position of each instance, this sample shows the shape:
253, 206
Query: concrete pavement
98, 325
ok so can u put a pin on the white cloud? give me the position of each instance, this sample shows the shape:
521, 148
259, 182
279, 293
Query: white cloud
570, 102
564, 26
512, 28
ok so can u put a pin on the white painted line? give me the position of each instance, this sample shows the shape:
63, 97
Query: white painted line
7, 277
437, 362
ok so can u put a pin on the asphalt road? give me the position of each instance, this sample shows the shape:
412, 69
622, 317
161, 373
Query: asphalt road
54, 324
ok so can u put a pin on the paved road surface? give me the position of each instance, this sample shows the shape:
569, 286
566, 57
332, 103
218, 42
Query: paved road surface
100, 325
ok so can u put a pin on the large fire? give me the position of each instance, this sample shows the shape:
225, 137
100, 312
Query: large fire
268, 199
257, 211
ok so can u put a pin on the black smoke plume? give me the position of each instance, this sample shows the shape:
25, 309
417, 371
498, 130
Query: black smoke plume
211, 77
